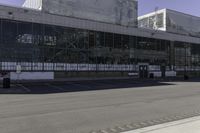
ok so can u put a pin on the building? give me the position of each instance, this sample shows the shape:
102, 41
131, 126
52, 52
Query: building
171, 21
122, 12
33, 4
45, 45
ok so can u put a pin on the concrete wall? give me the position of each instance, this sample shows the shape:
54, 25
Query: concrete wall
178, 22
123, 12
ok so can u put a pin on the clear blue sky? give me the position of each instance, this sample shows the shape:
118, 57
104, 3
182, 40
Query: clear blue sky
145, 6
11, 2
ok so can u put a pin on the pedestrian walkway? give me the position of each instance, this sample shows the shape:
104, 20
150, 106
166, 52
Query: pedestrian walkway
191, 125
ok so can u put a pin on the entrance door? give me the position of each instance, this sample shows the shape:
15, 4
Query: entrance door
163, 71
143, 71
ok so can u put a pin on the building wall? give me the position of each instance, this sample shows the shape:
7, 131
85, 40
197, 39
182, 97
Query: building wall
63, 44
123, 12
33, 16
155, 20
182, 23
44, 47
171, 21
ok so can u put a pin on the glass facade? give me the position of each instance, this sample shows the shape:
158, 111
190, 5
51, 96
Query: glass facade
187, 56
33, 43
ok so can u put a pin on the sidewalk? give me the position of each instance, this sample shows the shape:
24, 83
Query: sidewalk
72, 80
191, 125
97, 79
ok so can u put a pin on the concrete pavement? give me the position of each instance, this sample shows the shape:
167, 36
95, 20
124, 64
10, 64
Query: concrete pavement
130, 106
190, 125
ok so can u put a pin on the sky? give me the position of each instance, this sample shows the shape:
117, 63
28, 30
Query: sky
12, 2
145, 6
187, 6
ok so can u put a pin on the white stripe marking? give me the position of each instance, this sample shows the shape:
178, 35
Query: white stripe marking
103, 131
25, 88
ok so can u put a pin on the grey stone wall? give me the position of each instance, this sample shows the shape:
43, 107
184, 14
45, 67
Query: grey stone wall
122, 12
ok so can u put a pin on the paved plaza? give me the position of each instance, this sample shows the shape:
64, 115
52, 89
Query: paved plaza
107, 106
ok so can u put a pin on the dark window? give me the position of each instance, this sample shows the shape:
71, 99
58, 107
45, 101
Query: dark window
109, 40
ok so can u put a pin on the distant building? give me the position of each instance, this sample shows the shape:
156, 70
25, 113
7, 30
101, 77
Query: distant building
33, 4
171, 21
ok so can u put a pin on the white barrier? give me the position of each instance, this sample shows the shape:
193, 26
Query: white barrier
170, 74
32, 76
157, 74
28, 66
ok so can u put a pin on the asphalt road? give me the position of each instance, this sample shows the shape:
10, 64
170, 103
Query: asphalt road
111, 106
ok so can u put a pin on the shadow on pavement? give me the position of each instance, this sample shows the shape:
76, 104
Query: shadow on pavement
78, 86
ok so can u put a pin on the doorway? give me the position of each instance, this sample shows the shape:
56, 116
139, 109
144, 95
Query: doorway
143, 71
163, 71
